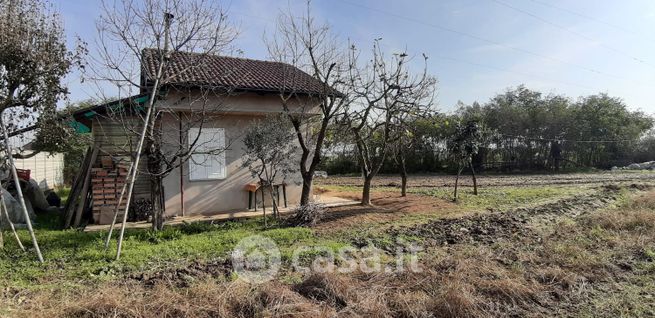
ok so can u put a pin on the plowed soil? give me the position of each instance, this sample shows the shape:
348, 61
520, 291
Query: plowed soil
513, 224
498, 180
387, 207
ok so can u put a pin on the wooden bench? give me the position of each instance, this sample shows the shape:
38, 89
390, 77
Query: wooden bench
253, 187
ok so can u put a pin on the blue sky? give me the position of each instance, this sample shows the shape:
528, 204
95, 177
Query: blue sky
476, 48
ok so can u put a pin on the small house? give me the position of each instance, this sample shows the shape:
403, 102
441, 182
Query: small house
208, 97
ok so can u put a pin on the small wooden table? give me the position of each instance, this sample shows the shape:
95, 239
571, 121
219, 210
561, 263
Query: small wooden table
253, 187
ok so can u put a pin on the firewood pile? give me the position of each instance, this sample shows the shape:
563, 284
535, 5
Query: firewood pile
106, 186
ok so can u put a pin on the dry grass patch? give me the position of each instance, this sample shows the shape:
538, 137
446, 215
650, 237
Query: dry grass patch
643, 201
410, 303
206, 299
280, 301
456, 300
556, 276
635, 219
332, 289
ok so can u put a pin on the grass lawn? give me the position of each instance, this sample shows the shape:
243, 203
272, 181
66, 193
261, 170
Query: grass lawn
74, 256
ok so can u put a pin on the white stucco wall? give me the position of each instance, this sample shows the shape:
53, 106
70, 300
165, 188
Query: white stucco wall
218, 196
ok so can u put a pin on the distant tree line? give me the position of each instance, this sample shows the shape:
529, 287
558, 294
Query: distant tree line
521, 130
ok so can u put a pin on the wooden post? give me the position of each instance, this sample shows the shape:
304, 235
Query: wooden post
11, 224
72, 196
19, 191
116, 209
181, 165
131, 179
2, 239
85, 189
144, 131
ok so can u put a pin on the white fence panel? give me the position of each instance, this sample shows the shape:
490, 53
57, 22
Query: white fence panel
46, 169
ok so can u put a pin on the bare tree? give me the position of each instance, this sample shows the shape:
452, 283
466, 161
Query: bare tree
304, 43
405, 142
137, 40
385, 92
408, 134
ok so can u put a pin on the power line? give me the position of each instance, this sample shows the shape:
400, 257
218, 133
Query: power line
482, 39
546, 4
565, 29
510, 71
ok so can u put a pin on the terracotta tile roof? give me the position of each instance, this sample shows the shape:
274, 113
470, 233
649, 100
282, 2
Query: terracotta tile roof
232, 72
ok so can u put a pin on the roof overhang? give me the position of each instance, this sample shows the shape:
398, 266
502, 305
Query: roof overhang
82, 118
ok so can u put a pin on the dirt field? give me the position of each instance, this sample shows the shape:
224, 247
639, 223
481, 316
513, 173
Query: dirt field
389, 208
499, 180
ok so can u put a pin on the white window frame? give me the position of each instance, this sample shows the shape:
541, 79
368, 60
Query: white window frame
203, 165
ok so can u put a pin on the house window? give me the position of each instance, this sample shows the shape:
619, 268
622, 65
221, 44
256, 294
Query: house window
208, 158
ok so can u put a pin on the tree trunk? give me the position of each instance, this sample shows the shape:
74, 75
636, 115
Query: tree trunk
403, 176
366, 192
459, 171
156, 192
157, 208
306, 193
475, 181
276, 212
263, 205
